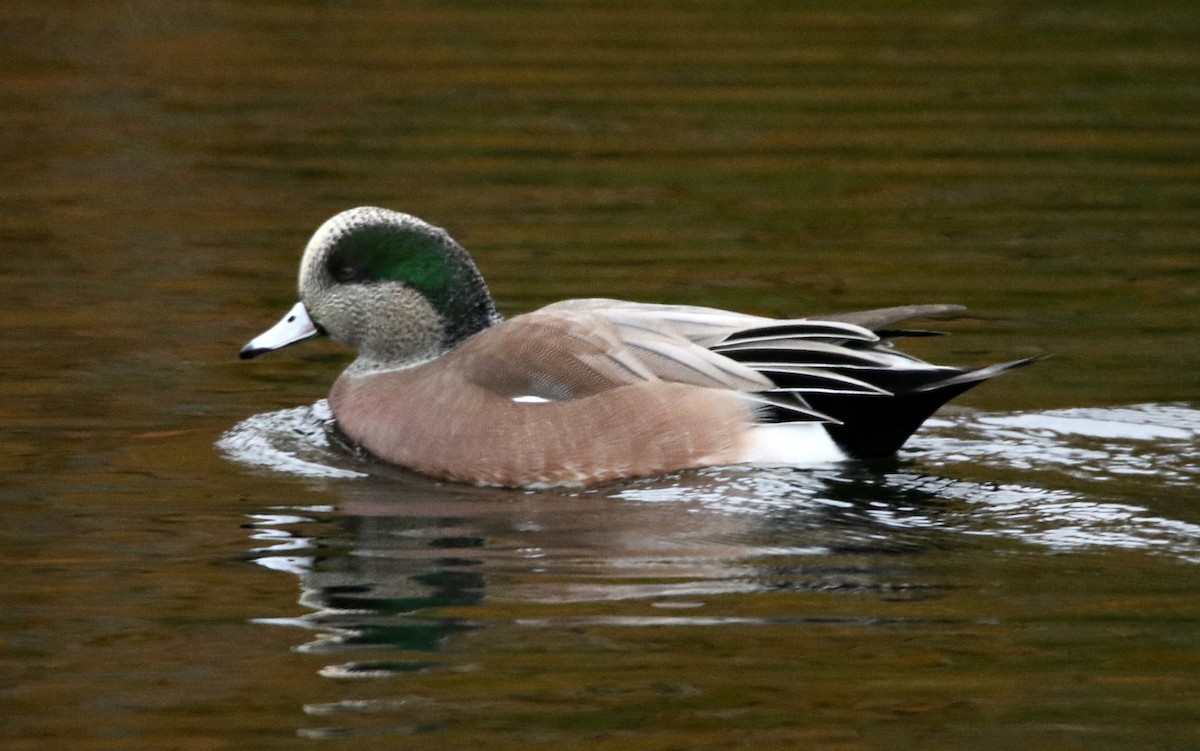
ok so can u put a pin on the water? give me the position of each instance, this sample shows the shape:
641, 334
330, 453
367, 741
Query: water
191, 563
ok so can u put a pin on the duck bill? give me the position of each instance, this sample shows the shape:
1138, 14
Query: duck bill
294, 327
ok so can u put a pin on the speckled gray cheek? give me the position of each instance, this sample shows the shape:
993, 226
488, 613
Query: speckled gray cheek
389, 324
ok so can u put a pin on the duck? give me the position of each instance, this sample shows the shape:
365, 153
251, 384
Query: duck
585, 391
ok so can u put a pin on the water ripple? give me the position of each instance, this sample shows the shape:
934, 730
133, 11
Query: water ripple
1066, 474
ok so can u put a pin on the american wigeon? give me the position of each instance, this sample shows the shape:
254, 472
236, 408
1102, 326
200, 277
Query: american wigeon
583, 391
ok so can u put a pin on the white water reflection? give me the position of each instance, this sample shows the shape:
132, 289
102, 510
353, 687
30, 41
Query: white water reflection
295, 441
1154, 441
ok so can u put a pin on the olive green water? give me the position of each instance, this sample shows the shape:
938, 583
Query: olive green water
1023, 578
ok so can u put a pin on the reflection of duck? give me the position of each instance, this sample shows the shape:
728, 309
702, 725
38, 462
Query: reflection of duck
451, 560
376, 582
588, 390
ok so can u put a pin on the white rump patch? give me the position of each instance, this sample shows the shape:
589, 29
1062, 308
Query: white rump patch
791, 444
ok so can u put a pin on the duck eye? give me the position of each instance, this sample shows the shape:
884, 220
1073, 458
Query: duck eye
344, 273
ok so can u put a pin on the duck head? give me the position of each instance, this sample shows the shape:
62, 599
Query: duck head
392, 286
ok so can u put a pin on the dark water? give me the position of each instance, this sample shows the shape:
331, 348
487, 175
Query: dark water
189, 565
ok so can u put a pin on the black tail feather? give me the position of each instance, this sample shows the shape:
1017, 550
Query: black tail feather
845, 374
875, 426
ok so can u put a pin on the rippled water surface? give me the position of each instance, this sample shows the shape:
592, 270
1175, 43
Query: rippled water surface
192, 561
